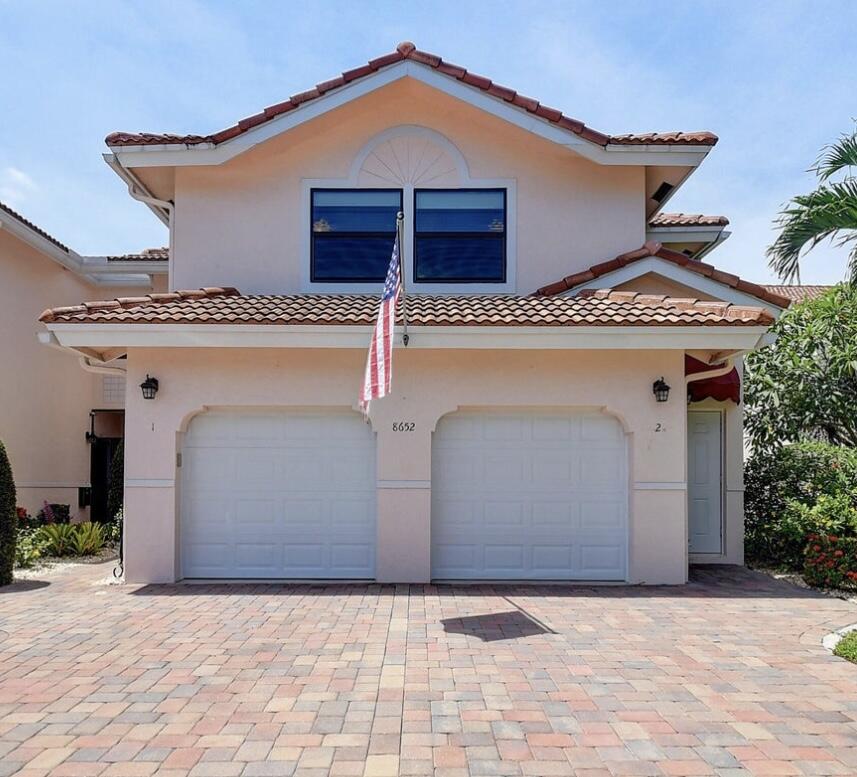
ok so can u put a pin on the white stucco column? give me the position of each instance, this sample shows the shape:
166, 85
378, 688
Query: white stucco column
150, 483
404, 425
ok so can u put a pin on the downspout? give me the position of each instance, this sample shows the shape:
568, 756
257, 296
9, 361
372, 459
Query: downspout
86, 363
717, 372
139, 192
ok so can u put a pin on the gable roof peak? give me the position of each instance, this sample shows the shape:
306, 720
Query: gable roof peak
407, 51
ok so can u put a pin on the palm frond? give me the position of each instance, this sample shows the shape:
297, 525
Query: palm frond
837, 156
828, 212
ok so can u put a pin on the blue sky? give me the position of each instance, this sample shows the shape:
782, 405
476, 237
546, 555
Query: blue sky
775, 81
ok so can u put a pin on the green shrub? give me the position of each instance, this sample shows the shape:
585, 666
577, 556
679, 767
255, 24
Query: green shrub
831, 561
8, 519
57, 538
29, 547
775, 481
88, 539
847, 647
116, 489
830, 515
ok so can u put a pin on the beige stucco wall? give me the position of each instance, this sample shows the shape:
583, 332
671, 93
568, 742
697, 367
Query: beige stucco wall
241, 223
428, 385
45, 396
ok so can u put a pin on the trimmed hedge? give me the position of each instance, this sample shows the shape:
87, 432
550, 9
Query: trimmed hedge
787, 495
8, 519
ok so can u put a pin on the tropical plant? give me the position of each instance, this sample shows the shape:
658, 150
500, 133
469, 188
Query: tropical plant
58, 538
88, 539
29, 548
804, 386
828, 212
8, 519
116, 490
783, 489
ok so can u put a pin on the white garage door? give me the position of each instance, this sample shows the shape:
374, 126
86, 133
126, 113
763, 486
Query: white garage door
529, 496
278, 495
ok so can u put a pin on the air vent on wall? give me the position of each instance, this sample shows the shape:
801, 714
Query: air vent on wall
662, 191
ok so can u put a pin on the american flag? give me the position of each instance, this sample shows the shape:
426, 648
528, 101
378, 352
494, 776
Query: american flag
379, 363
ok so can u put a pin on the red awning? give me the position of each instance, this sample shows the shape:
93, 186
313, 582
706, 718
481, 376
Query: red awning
726, 387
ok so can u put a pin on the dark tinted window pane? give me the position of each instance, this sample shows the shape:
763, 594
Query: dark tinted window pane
353, 233
474, 259
357, 258
460, 211
355, 211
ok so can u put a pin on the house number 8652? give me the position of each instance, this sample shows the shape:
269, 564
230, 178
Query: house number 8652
403, 426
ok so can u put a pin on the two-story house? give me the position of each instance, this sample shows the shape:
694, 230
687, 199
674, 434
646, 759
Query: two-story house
61, 413
568, 406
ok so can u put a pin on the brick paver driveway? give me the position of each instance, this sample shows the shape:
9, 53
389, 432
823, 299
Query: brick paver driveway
724, 676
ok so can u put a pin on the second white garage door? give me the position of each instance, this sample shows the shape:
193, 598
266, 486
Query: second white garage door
529, 496
286, 494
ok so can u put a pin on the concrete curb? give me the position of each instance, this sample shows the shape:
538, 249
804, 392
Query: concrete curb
830, 641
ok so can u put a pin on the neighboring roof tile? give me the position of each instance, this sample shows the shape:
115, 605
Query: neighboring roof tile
31, 225
688, 220
146, 255
798, 293
408, 51
653, 248
228, 306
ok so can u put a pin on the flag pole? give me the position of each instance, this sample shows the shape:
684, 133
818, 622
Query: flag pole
400, 234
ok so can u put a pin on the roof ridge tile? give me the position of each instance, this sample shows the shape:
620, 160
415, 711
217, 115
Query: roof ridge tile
408, 51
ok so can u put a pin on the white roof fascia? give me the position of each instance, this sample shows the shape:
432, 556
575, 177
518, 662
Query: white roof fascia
105, 336
105, 279
209, 154
684, 234
654, 264
131, 274
98, 265
68, 259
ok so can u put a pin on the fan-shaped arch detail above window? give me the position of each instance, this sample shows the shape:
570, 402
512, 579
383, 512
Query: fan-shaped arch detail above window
410, 155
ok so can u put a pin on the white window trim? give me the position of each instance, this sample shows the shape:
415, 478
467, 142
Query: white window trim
465, 182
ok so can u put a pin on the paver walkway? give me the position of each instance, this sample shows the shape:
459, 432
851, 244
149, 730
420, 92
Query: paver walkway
724, 676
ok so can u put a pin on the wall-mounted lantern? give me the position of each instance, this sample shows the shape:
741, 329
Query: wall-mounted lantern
149, 387
661, 390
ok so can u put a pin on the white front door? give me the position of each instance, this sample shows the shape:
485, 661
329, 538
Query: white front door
529, 495
278, 494
704, 471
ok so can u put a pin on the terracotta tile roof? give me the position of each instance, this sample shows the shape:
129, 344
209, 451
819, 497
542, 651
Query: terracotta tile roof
407, 51
228, 306
799, 293
653, 248
31, 225
146, 255
688, 220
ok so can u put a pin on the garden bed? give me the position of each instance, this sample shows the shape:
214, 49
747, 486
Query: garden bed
51, 565
796, 578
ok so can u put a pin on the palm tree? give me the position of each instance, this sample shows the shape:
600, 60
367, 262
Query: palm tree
828, 212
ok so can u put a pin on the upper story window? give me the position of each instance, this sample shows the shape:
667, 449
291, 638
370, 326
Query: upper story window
460, 235
352, 234
460, 232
